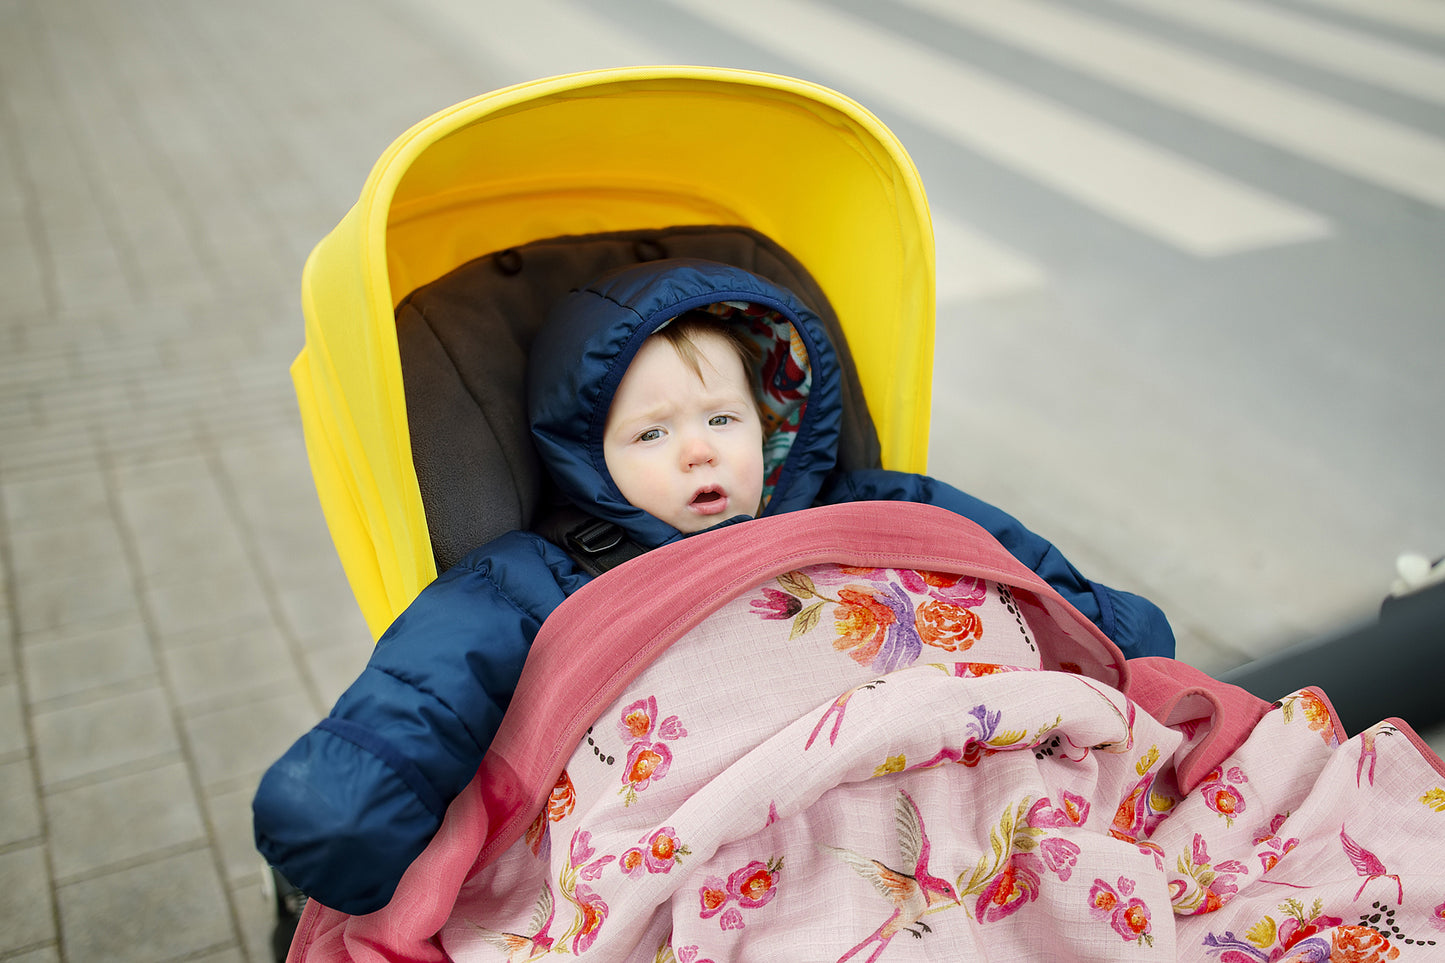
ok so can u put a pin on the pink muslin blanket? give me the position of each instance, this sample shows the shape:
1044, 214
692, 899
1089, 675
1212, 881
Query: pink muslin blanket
867, 733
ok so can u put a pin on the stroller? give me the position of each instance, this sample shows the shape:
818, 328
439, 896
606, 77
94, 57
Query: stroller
420, 307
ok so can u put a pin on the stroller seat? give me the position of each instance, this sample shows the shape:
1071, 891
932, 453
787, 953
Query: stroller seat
463, 342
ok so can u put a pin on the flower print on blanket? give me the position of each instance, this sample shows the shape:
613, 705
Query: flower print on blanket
1202, 885
590, 909
1126, 913
648, 756
751, 887
657, 852
560, 803
1222, 794
1092, 848
883, 618
1313, 710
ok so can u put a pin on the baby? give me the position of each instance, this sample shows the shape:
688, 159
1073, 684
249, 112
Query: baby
683, 439
665, 398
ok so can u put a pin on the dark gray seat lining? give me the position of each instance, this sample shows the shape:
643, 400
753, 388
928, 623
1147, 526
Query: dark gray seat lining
464, 339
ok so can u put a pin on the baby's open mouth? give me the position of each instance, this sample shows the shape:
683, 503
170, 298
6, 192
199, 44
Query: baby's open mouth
709, 501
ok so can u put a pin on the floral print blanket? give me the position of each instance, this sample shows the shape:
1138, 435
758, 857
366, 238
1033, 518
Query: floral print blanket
892, 742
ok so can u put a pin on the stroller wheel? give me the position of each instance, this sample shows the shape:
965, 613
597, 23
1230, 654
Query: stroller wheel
290, 901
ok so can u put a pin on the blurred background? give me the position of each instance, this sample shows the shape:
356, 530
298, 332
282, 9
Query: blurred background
1190, 328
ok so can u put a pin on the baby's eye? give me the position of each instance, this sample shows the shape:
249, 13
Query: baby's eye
718, 421
651, 434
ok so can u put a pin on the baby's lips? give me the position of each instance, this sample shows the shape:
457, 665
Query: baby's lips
709, 501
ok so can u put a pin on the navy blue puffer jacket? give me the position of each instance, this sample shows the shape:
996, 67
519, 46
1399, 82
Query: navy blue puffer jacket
348, 807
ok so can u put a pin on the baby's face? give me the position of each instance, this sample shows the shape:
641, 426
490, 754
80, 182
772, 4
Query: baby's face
686, 450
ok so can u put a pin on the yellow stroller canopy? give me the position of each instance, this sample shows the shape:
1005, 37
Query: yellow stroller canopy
602, 151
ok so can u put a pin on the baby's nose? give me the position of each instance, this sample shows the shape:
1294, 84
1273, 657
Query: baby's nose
697, 450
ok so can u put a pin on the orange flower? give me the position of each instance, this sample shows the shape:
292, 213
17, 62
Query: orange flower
949, 627
861, 621
1360, 944
1317, 714
563, 798
646, 762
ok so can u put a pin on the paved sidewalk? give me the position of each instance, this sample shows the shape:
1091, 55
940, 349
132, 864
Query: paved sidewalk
173, 614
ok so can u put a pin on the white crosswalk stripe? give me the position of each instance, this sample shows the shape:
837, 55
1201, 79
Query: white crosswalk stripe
1145, 186
1330, 133
973, 266
1381, 63
1424, 15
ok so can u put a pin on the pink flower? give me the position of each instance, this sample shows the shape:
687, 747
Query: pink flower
671, 728
637, 720
1129, 917
688, 954
713, 895
1273, 829
1131, 921
631, 862
1059, 856
581, 850
646, 762
732, 919
965, 590
662, 851
1102, 899
1224, 800
777, 605
1437, 917
1006, 893
1153, 849
594, 914
1073, 812
754, 885
594, 869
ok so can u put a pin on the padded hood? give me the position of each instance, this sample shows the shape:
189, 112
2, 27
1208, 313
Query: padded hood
591, 336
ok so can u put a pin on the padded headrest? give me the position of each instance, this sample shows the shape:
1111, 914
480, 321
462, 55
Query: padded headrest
464, 339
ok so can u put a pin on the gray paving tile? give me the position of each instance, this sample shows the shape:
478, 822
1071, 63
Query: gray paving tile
122, 819
41, 553
23, 278
46, 954
217, 603
87, 660
334, 667
79, 498
102, 594
233, 746
164, 910
95, 737
228, 668
161, 469
12, 724
323, 608
181, 528
19, 803
230, 818
25, 899
256, 913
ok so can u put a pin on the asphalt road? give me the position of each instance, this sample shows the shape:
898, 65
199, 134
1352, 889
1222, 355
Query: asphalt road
1190, 293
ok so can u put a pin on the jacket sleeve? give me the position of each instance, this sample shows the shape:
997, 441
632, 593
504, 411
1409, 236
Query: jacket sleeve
348, 807
1134, 623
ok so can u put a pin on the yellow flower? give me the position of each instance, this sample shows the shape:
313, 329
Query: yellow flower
892, 764
1262, 934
